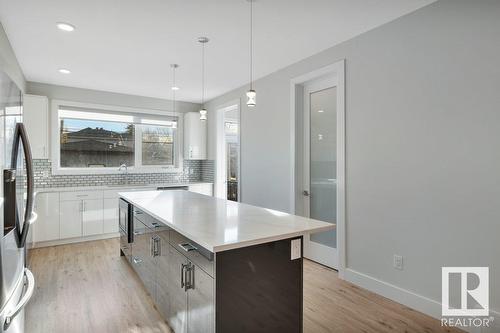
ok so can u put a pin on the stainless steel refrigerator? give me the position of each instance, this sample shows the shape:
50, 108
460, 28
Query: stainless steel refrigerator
16, 208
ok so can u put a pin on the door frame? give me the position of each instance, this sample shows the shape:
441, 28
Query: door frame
296, 111
220, 156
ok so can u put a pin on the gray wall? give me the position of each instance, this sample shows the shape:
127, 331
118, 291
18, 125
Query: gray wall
8, 61
422, 142
106, 98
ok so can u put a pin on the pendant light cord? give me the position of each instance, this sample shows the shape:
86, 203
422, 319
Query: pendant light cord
251, 44
202, 73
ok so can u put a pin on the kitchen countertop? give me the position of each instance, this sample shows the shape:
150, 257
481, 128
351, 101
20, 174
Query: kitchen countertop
112, 187
218, 224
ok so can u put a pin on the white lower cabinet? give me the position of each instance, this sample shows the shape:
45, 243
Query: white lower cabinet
46, 227
92, 217
75, 214
110, 215
70, 218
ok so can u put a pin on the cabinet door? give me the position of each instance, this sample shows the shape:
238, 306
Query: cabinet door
195, 137
142, 260
162, 276
110, 215
70, 218
201, 302
177, 318
46, 227
35, 118
92, 217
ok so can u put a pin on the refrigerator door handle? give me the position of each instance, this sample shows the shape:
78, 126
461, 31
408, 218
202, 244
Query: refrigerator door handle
20, 135
30, 282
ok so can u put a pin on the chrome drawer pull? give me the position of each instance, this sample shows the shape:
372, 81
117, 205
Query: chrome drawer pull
187, 247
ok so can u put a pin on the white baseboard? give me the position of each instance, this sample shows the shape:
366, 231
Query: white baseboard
417, 302
72, 240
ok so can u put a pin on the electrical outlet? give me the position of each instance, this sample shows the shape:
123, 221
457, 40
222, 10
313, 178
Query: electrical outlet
296, 249
398, 262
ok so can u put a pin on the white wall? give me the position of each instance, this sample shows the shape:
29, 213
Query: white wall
106, 98
8, 61
422, 144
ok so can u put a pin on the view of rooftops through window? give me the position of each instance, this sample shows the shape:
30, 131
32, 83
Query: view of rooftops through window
103, 143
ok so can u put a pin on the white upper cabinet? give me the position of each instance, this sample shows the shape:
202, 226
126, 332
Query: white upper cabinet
195, 137
36, 121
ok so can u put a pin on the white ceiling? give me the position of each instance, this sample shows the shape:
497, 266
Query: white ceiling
127, 46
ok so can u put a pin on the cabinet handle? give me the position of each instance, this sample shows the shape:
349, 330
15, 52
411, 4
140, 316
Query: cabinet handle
183, 284
157, 246
152, 246
187, 247
190, 271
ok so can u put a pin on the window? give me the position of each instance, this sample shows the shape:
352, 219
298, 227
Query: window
94, 143
157, 145
102, 139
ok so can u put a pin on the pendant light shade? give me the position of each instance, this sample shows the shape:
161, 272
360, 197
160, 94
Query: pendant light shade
203, 112
251, 98
251, 94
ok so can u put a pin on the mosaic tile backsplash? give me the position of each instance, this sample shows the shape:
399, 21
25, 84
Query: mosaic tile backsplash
193, 171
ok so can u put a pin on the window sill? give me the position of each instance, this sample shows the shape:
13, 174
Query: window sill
114, 171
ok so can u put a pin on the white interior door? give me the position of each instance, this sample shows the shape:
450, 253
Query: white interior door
320, 167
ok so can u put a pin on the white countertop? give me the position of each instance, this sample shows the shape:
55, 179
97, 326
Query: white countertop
113, 187
218, 224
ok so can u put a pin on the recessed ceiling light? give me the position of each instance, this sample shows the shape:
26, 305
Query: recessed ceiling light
64, 71
175, 88
65, 26
321, 111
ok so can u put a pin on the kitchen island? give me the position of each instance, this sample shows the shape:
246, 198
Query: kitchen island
213, 265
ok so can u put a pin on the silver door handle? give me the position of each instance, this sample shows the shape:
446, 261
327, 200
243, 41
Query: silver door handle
24, 300
306, 193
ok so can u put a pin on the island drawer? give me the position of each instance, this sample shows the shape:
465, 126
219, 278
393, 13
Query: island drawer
194, 252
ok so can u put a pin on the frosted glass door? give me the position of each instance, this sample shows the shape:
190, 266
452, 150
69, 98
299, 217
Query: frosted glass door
323, 160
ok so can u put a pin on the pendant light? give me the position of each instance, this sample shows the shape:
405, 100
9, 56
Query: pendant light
251, 94
203, 111
174, 86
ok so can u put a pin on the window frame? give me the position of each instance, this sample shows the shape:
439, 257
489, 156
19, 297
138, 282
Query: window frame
138, 167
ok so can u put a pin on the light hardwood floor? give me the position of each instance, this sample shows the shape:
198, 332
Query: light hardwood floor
88, 287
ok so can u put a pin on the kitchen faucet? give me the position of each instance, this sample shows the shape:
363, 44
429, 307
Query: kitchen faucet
122, 167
